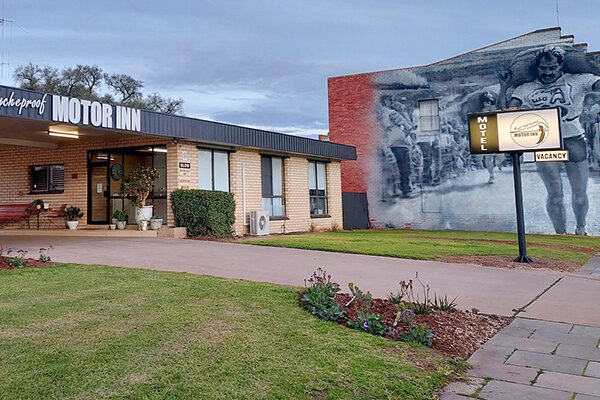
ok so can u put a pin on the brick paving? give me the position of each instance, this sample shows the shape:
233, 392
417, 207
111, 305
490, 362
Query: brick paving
534, 359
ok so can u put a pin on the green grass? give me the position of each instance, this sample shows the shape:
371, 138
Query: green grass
93, 332
428, 245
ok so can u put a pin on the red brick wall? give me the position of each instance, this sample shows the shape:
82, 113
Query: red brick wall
352, 121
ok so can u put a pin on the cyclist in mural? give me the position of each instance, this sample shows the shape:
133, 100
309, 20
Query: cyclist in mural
555, 87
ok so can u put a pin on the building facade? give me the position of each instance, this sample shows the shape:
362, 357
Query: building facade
409, 127
76, 152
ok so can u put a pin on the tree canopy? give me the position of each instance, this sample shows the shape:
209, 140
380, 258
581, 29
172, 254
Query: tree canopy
90, 82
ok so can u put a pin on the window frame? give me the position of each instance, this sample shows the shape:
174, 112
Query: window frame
49, 175
212, 168
429, 117
317, 196
272, 196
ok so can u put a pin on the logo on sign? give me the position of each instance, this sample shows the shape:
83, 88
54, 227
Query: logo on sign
529, 130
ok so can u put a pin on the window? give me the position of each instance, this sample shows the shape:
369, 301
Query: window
213, 170
317, 188
429, 115
272, 186
48, 178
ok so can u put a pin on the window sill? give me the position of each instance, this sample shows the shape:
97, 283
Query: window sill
321, 216
48, 192
278, 218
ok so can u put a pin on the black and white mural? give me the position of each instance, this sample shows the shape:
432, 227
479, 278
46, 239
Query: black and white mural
425, 176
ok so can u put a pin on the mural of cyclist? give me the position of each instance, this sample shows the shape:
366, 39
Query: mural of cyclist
554, 87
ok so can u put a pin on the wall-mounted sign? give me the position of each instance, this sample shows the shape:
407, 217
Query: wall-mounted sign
21, 103
185, 165
556, 155
86, 112
510, 131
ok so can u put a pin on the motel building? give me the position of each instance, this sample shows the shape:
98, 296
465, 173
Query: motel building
74, 152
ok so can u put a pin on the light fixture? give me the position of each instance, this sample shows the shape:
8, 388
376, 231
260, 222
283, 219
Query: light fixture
158, 149
70, 135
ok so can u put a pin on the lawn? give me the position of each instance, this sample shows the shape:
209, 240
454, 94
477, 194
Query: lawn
430, 245
93, 332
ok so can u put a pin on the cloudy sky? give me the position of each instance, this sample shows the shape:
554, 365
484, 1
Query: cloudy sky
265, 63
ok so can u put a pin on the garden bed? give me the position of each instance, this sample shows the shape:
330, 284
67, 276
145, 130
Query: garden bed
29, 263
456, 333
409, 315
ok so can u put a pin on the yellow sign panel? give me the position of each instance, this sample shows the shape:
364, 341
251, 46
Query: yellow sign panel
557, 155
510, 131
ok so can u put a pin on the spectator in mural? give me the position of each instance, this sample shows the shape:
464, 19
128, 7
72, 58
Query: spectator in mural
401, 145
589, 120
416, 163
554, 87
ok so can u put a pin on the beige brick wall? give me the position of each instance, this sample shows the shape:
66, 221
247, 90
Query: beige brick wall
295, 192
16, 160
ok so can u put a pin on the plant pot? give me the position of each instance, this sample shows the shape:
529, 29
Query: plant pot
143, 213
112, 227
143, 225
121, 225
114, 221
156, 224
72, 224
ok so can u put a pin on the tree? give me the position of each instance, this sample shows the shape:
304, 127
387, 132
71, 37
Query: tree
124, 85
88, 81
167, 105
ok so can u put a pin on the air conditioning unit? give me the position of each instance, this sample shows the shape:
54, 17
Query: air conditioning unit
259, 223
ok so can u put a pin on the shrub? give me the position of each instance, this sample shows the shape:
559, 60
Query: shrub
361, 299
369, 322
15, 258
417, 304
204, 212
138, 183
45, 254
318, 299
72, 213
443, 304
418, 334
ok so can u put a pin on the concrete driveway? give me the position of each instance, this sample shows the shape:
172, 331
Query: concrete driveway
491, 290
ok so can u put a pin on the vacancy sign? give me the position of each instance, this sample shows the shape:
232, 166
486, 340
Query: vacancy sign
556, 155
515, 131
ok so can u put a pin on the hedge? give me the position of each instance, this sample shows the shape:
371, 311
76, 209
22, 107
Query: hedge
204, 212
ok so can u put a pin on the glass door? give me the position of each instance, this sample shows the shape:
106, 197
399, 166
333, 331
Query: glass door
98, 188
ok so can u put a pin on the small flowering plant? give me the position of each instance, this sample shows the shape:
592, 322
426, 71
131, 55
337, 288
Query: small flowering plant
318, 297
369, 322
45, 254
16, 257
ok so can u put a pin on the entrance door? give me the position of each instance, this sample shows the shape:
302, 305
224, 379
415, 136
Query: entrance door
98, 191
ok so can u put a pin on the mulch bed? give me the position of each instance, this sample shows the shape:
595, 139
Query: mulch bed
456, 333
29, 263
507, 262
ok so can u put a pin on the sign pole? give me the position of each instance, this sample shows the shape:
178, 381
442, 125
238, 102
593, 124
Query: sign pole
516, 158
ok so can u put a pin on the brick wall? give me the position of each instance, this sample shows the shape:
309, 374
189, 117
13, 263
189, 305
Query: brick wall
352, 121
295, 193
15, 162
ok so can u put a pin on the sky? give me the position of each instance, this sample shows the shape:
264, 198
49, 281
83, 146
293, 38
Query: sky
265, 63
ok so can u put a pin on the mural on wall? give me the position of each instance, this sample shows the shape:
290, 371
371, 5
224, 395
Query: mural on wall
428, 179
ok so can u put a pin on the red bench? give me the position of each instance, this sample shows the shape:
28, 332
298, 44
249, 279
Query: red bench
14, 213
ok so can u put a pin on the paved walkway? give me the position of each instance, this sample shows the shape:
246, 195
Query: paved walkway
541, 359
491, 290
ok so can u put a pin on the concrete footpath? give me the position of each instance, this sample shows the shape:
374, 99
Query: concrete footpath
491, 290
554, 357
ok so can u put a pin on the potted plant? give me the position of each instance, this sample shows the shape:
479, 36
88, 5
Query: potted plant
35, 206
155, 223
121, 219
72, 215
137, 185
143, 224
